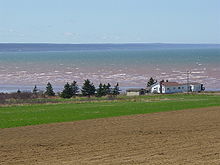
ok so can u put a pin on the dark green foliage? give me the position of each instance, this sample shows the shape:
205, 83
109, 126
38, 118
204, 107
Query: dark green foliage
35, 90
108, 89
116, 90
151, 82
88, 89
49, 90
18, 91
67, 91
103, 90
100, 91
75, 88
70, 90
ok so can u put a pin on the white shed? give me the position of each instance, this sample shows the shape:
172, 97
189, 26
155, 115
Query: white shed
135, 92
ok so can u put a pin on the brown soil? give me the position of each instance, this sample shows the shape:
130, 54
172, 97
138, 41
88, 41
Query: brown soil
177, 137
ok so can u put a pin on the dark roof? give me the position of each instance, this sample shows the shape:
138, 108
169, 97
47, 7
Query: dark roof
192, 83
170, 84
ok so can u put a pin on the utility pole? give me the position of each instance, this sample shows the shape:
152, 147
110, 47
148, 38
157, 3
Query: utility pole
188, 72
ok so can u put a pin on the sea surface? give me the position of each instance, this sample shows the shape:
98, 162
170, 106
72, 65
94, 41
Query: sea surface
131, 65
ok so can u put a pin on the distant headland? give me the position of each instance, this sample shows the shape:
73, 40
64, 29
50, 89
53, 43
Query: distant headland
32, 47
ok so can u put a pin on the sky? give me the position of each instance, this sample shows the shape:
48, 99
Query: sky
110, 21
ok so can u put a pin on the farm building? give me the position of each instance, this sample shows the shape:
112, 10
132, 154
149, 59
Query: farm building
174, 87
135, 92
167, 88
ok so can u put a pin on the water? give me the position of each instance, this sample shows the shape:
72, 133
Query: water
131, 65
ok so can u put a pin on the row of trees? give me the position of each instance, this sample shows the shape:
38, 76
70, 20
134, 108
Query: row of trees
88, 89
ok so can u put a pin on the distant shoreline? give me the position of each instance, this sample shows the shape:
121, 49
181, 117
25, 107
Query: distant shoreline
36, 47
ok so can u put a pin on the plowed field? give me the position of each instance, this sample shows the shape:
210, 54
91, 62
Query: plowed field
175, 137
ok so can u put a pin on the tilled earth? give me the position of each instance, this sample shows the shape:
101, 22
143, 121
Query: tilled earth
176, 137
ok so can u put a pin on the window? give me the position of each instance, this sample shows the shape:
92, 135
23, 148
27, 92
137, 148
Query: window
178, 87
168, 88
174, 88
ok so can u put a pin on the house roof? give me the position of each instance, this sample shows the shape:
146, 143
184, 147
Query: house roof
192, 83
167, 84
170, 84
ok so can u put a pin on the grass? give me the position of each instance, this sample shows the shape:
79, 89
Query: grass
23, 115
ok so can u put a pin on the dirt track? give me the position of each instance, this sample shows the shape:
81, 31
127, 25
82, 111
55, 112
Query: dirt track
178, 137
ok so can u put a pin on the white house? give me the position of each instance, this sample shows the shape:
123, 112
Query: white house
174, 87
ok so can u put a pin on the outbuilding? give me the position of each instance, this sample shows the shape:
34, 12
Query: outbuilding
135, 92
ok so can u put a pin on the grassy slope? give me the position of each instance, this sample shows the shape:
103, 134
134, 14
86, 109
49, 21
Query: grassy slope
50, 113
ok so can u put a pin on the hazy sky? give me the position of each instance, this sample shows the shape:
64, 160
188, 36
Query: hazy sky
110, 21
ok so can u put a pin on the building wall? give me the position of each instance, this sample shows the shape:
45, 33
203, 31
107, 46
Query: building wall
174, 89
155, 89
196, 88
169, 89
133, 93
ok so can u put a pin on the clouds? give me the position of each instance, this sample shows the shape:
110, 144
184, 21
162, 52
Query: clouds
69, 34
108, 37
10, 33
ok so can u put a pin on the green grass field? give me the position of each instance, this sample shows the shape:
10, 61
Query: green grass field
22, 115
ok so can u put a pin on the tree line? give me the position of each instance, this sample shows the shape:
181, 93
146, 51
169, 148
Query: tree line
88, 89
69, 90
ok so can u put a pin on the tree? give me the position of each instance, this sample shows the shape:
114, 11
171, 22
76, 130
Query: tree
103, 90
18, 91
49, 90
75, 88
35, 90
116, 90
108, 89
88, 89
67, 91
151, 82
100, 90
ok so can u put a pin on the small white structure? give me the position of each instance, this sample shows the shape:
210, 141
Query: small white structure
174, 87
135, 92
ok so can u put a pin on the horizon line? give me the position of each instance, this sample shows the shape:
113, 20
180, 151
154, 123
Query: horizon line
120, 43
